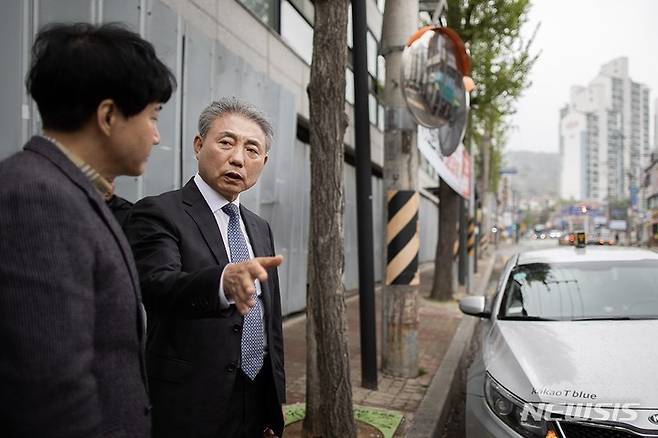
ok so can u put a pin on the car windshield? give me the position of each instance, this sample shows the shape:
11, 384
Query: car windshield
582, 291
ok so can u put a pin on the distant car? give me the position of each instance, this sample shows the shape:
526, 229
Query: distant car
600, 240
567, 239
555, 234
567, 347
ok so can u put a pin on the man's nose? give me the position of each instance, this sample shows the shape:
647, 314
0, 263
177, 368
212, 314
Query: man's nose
156, 136
237, 155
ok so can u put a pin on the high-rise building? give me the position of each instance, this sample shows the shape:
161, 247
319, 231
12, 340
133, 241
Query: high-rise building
655, 124
604, 136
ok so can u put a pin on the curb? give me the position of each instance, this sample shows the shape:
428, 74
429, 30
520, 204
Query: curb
433, 410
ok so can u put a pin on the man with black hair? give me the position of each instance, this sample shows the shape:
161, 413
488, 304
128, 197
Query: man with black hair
71, 323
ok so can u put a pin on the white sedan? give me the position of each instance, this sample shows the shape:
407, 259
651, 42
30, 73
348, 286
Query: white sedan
568, 347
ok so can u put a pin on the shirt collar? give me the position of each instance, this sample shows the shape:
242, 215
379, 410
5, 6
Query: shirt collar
213, 198
102, 185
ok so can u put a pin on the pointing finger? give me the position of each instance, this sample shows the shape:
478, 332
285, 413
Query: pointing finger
269, 262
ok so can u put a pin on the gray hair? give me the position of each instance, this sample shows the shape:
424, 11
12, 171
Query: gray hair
233, 105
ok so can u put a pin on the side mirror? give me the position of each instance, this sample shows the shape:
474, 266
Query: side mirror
475, 306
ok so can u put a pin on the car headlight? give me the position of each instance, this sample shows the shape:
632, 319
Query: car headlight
510, 410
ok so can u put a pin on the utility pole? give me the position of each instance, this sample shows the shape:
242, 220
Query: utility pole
400, 291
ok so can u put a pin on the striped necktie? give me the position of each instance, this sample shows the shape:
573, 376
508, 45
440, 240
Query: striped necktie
253, 335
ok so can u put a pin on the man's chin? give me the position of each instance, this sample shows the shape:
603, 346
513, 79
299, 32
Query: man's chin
136, 170
229, 193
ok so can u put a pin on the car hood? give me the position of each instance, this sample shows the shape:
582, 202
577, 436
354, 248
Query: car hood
576, 361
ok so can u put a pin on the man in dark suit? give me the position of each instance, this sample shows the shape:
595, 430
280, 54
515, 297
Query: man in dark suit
209, 279
120, 208
72, 327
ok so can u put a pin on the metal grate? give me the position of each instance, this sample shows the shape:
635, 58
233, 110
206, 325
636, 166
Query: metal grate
579, 430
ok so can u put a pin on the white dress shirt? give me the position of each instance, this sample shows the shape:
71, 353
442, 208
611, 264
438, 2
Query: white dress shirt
216, 201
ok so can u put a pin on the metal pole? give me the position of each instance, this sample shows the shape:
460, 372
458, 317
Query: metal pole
463, 254
472, 260
364, 197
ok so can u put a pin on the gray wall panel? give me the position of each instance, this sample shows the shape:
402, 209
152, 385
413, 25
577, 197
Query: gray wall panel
197, 92
228, 71
161, 173
428, 220
124, 11
67, 11
11, 86
351, 271
378, 226
298, 222
283, 195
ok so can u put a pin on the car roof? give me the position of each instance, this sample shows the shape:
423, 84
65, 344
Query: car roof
588, 254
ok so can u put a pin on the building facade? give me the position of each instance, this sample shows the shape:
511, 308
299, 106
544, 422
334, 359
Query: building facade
655, 124
258, 50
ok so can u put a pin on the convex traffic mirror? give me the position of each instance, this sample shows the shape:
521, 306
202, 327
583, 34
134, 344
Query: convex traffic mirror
434, 67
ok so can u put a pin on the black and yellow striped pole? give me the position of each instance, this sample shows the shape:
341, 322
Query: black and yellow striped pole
402, 240
470, 237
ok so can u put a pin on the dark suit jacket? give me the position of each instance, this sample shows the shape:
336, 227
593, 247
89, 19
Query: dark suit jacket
71, 322
120, 208
194, 346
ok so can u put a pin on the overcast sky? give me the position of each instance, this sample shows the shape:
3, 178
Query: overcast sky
576, 37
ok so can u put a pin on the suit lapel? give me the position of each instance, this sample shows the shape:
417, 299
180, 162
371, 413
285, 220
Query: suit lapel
198, 209
259, 239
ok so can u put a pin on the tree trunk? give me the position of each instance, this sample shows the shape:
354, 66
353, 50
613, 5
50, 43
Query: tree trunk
443, 287
488, 210
486, 163
399, 298
312, 426
329, 401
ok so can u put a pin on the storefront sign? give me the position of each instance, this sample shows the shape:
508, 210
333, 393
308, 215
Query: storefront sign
455, 169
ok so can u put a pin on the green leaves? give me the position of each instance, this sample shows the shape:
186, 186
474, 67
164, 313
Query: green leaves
501, 62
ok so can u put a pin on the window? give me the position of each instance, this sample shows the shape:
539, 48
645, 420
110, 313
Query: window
561, 291
350, 37
371, 44
266, 10
380, 118
372, 109
349, 86
296, 31
381, 71
305, 8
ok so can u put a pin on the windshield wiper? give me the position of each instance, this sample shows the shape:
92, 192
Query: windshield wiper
526, 318
614, 318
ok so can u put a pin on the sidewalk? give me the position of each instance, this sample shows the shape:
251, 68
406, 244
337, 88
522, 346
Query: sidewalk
438, 323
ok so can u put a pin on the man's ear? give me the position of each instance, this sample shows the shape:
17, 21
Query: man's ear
106, 115
265, 161
198, 143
